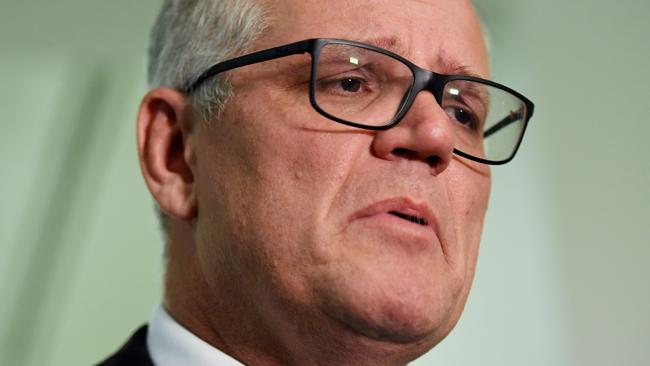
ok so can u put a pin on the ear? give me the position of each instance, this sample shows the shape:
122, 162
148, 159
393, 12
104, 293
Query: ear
166, 151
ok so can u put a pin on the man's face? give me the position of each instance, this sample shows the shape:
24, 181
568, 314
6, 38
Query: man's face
302, 213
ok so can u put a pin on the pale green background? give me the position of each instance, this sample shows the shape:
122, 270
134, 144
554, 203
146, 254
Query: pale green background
563, 276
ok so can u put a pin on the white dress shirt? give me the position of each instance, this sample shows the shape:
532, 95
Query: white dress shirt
170, 344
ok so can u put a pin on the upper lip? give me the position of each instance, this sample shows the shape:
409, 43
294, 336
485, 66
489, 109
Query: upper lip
401, 205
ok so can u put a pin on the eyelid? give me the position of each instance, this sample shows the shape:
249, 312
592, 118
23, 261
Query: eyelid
339, 63
357, 70
465, 95
479, 111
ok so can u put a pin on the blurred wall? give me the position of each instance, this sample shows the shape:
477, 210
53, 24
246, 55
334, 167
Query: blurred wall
80, 251
562, 276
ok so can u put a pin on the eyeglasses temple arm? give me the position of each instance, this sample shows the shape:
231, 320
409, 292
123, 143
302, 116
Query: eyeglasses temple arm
509, 119
252, 58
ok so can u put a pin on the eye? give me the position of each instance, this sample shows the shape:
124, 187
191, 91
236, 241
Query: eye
462, 115
350, 85
345, 85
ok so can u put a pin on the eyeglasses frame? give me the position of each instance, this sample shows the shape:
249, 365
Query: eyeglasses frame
422, 80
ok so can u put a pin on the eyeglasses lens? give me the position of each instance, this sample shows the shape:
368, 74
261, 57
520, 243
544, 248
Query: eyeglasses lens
360, 85
369, 88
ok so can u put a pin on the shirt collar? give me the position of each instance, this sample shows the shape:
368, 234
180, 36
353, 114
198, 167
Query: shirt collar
170, 344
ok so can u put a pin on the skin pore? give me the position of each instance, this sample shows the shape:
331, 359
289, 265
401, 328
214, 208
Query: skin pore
283, 246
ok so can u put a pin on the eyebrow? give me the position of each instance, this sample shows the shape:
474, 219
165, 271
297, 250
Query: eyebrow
392, 44
453, 67
448, 65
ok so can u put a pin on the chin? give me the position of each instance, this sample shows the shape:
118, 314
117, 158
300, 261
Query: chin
405, 316
393, 324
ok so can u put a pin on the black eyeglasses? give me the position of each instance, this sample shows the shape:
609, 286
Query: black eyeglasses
372, 88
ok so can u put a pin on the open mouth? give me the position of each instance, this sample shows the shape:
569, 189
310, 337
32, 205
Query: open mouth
414, 219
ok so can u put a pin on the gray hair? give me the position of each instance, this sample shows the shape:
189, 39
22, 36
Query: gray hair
188, 37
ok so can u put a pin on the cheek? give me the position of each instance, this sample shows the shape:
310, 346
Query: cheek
268, 180
468, 195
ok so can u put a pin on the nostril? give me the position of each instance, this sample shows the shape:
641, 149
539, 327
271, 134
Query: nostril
405, 153
434, 161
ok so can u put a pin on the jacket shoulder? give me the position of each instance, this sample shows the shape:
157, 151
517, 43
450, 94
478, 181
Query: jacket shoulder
133, 353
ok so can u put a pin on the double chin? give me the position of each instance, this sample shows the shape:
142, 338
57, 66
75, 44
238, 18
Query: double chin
394, 307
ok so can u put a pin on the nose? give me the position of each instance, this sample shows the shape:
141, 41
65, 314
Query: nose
425, 134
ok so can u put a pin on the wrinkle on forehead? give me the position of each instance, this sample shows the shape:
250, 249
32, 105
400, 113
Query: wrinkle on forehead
362, 22
444, 62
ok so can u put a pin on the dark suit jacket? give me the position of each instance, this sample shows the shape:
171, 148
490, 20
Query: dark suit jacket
133, 353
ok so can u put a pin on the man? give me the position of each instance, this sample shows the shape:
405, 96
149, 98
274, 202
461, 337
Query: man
324, 193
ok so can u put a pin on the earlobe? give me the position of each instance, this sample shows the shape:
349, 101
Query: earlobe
165, 149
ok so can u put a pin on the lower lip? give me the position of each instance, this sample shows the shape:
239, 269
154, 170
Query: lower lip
404, 228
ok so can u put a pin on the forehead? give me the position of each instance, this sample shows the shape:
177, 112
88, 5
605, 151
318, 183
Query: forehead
432, 33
